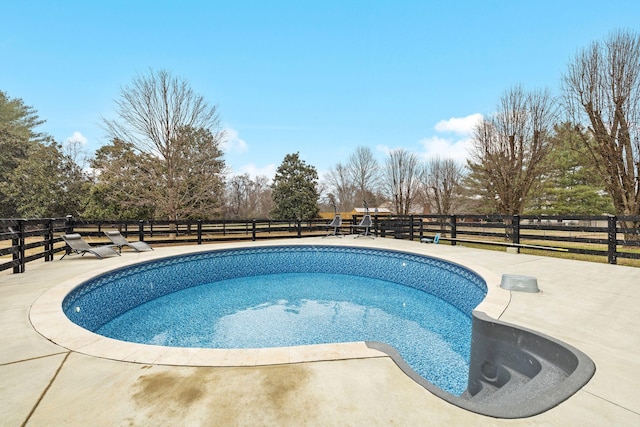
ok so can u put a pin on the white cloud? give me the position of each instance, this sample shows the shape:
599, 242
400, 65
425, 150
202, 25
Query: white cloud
459, 125
233, 143
78, 138
454, 139
384, 149
250, 168
445, 148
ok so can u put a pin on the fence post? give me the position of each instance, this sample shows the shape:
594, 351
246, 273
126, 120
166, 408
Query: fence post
18, 240
515, 226
375, 223
299, 225
253, 230
411, 227
68, 226
453, 229
141, 230
48, 241
199, 231
612, 239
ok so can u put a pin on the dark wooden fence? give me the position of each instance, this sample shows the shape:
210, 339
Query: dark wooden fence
605, 236
610, 237
26, 240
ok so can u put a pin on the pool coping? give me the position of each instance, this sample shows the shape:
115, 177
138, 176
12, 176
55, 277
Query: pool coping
48, 319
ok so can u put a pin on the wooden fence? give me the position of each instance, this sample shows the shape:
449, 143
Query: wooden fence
610, 237
601, 236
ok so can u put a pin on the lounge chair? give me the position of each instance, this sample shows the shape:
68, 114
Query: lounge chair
77, 245
335, 224
366, 224
436, 239
119, 241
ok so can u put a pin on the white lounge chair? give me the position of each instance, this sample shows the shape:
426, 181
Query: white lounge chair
77, 245
119, 242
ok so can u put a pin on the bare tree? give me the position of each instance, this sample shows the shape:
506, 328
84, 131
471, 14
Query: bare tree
401, 179
602, 90
364, 172
441, 184
246, 197
341, 188
190, 183
265, 198
74, 150
160, 115
509, 149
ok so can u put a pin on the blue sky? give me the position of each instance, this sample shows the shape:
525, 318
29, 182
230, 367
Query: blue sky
318, 78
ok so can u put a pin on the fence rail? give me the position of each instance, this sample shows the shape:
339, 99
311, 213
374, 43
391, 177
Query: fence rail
610, 237
604, 236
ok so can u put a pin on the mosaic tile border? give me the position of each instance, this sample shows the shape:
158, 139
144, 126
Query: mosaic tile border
106, 296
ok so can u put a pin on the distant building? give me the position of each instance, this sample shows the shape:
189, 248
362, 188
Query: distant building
380, 211
372, 211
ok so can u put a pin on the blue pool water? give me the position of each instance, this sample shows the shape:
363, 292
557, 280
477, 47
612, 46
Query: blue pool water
284, 296
295, 309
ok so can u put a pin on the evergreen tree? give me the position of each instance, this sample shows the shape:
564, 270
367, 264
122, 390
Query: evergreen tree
46, 184
17, 135
572, 184
120, 176
294, 190
37, 179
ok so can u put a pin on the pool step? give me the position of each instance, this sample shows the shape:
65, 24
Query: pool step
515, 372
489, 390
548, 376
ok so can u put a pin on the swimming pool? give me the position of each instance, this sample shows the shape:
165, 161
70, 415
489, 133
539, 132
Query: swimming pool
363, 283
514, 372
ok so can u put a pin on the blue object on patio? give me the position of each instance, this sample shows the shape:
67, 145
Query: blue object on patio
436, 239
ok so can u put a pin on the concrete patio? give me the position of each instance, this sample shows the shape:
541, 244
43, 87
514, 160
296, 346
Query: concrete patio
594, 307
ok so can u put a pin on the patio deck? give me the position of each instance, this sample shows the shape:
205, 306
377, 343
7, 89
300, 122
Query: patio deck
594, 307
